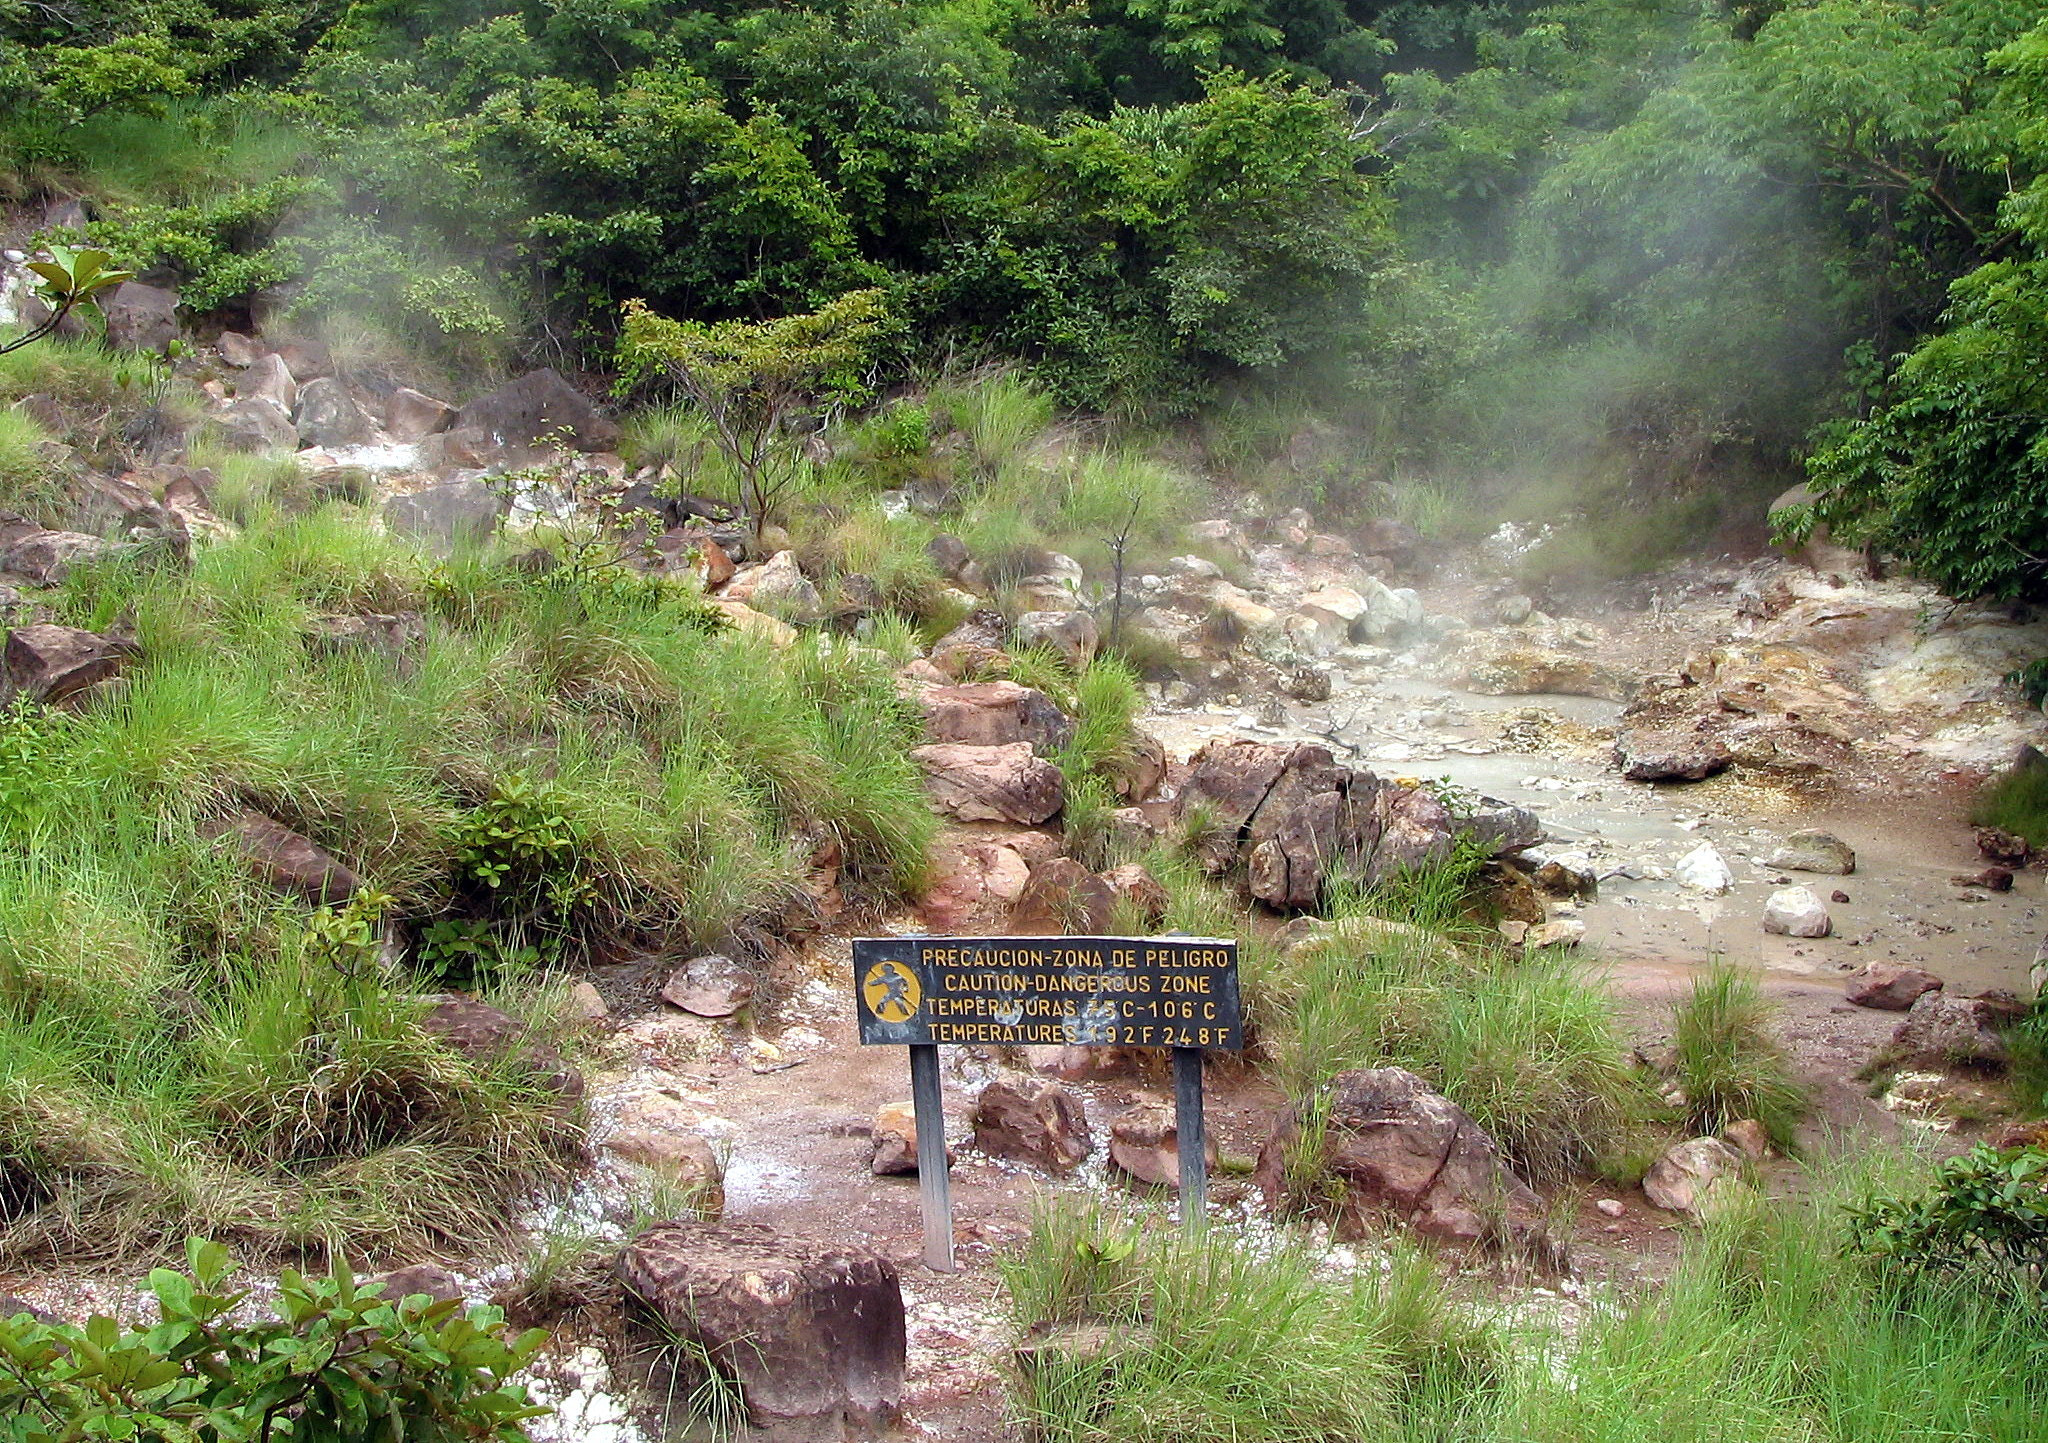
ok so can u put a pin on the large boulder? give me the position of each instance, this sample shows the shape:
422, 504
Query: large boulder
1139, 768
974, 885
46, 557
1796, 912
327, 415
411, 416
282, 858
713, 985
1892, 989
895, 1141
448, 513
991, 784
993, 714
1063, 898
54, 664
1669, 754
538, 406
269, 379
1297, 817
1337, 609
778, 587
257, 423
684, 1160
1510, 666
1034, 1120
140, 317
1940, 1031
812, 1334
1391, 1147
1071, 635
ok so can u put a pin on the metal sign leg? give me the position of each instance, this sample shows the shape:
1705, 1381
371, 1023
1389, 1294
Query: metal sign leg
1192, 1138
933, 1191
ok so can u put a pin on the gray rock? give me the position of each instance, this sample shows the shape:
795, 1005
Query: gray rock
140, 317
256, 423
1812, 850
1072, 635
328, 415
810, 1333
539, 405
448, 513
1501, 827
1941, 1030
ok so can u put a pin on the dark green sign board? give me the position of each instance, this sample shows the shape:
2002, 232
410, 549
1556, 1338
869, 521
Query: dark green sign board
1077, 991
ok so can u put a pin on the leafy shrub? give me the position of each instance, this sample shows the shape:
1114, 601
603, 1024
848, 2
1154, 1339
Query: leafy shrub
1985, 1210
338, 1362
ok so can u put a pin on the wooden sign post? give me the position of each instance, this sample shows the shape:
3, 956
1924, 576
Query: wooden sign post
1172, 992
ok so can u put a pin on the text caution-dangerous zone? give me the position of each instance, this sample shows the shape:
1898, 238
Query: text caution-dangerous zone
1085, 991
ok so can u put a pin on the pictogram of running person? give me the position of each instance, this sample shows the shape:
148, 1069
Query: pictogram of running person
891, 991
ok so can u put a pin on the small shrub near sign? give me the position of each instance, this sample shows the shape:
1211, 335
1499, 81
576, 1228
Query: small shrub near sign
337, 1363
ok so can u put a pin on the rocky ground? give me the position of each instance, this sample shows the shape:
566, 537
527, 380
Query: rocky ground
1667, 738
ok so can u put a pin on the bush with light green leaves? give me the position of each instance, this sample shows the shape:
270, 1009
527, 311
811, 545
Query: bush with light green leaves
338, 1361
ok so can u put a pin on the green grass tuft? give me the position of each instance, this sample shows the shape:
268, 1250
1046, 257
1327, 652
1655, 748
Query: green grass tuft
2016, 801
1730, 1066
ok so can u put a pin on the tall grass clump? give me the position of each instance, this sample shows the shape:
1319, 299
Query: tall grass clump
1188, 1341
2016, 801
1774, 1326
1527, 1044
539, 770
29, 483
1134, 1333
1729, 1064
1003, 414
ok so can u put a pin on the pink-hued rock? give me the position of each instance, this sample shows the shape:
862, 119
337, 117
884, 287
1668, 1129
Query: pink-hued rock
992, 783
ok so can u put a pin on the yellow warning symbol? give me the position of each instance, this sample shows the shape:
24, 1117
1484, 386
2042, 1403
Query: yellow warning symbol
891, 991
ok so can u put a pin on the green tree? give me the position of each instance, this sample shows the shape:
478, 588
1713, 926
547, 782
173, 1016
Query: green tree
1951, 471
749, 377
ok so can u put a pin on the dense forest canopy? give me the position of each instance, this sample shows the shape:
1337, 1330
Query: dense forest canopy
1639, 243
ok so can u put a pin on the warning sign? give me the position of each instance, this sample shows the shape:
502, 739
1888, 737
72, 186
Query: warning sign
1086, 991
891, 991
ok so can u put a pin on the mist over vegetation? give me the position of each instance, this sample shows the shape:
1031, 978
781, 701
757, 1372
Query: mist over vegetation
1591, 255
